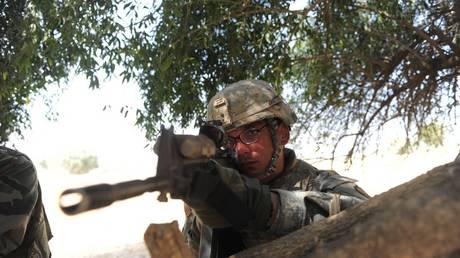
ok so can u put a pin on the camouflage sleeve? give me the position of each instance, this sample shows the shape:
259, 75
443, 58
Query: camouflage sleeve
18, 197
330, 194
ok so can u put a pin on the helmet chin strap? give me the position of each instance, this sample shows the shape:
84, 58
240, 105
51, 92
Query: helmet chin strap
273, 125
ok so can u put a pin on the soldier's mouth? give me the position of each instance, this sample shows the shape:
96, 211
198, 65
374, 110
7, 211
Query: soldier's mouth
248, 163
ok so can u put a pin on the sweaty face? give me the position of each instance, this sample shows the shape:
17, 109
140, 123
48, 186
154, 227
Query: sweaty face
253, 146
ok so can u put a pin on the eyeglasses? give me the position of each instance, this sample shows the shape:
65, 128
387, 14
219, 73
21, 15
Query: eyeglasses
248, 136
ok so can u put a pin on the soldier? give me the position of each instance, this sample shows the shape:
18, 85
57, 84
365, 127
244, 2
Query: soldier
281, 192
24, 228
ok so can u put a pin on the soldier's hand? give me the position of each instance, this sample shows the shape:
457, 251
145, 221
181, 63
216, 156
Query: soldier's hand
254, 204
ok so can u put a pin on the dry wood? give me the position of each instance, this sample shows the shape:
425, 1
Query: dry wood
166, 241
417, 219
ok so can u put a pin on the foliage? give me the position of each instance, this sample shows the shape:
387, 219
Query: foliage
382, 60
44, 164
431, 135
348, 66
200, 46
80, 164
41, 40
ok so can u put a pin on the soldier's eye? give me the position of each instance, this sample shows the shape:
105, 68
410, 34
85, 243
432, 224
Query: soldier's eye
252, 132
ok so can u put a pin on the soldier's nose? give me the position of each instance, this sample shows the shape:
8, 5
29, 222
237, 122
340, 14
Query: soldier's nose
242, 150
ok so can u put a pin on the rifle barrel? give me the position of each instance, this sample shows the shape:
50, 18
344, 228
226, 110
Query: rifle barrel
77, 200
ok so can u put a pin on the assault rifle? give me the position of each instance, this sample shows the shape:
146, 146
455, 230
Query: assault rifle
178, 155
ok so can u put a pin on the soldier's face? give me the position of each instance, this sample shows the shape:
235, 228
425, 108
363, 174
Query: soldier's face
254, 148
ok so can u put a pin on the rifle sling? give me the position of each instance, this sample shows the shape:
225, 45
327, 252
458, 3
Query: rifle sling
206, 240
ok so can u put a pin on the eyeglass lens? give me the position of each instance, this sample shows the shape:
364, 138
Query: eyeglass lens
248, 136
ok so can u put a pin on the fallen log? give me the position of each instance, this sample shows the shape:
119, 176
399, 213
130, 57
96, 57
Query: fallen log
420, 218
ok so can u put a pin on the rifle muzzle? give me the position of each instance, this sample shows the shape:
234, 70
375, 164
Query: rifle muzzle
77, 200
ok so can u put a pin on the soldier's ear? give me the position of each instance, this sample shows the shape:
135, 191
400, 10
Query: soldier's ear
283, 133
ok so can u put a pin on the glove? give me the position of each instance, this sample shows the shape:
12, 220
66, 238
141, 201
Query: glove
221, 197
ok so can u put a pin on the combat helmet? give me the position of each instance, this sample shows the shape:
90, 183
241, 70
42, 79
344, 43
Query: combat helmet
248, 101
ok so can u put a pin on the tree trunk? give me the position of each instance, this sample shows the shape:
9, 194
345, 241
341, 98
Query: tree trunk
417, 219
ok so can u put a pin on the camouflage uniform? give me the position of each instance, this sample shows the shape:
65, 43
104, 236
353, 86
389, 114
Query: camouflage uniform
306, 195
24, 229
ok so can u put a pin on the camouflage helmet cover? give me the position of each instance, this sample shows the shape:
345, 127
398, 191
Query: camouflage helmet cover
248, 101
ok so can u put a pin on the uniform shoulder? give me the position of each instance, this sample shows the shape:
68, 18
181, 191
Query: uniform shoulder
298, 175
306, 168
13, 157
17, 170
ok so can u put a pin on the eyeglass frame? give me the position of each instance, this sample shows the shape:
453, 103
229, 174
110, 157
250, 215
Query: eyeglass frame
234, 140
